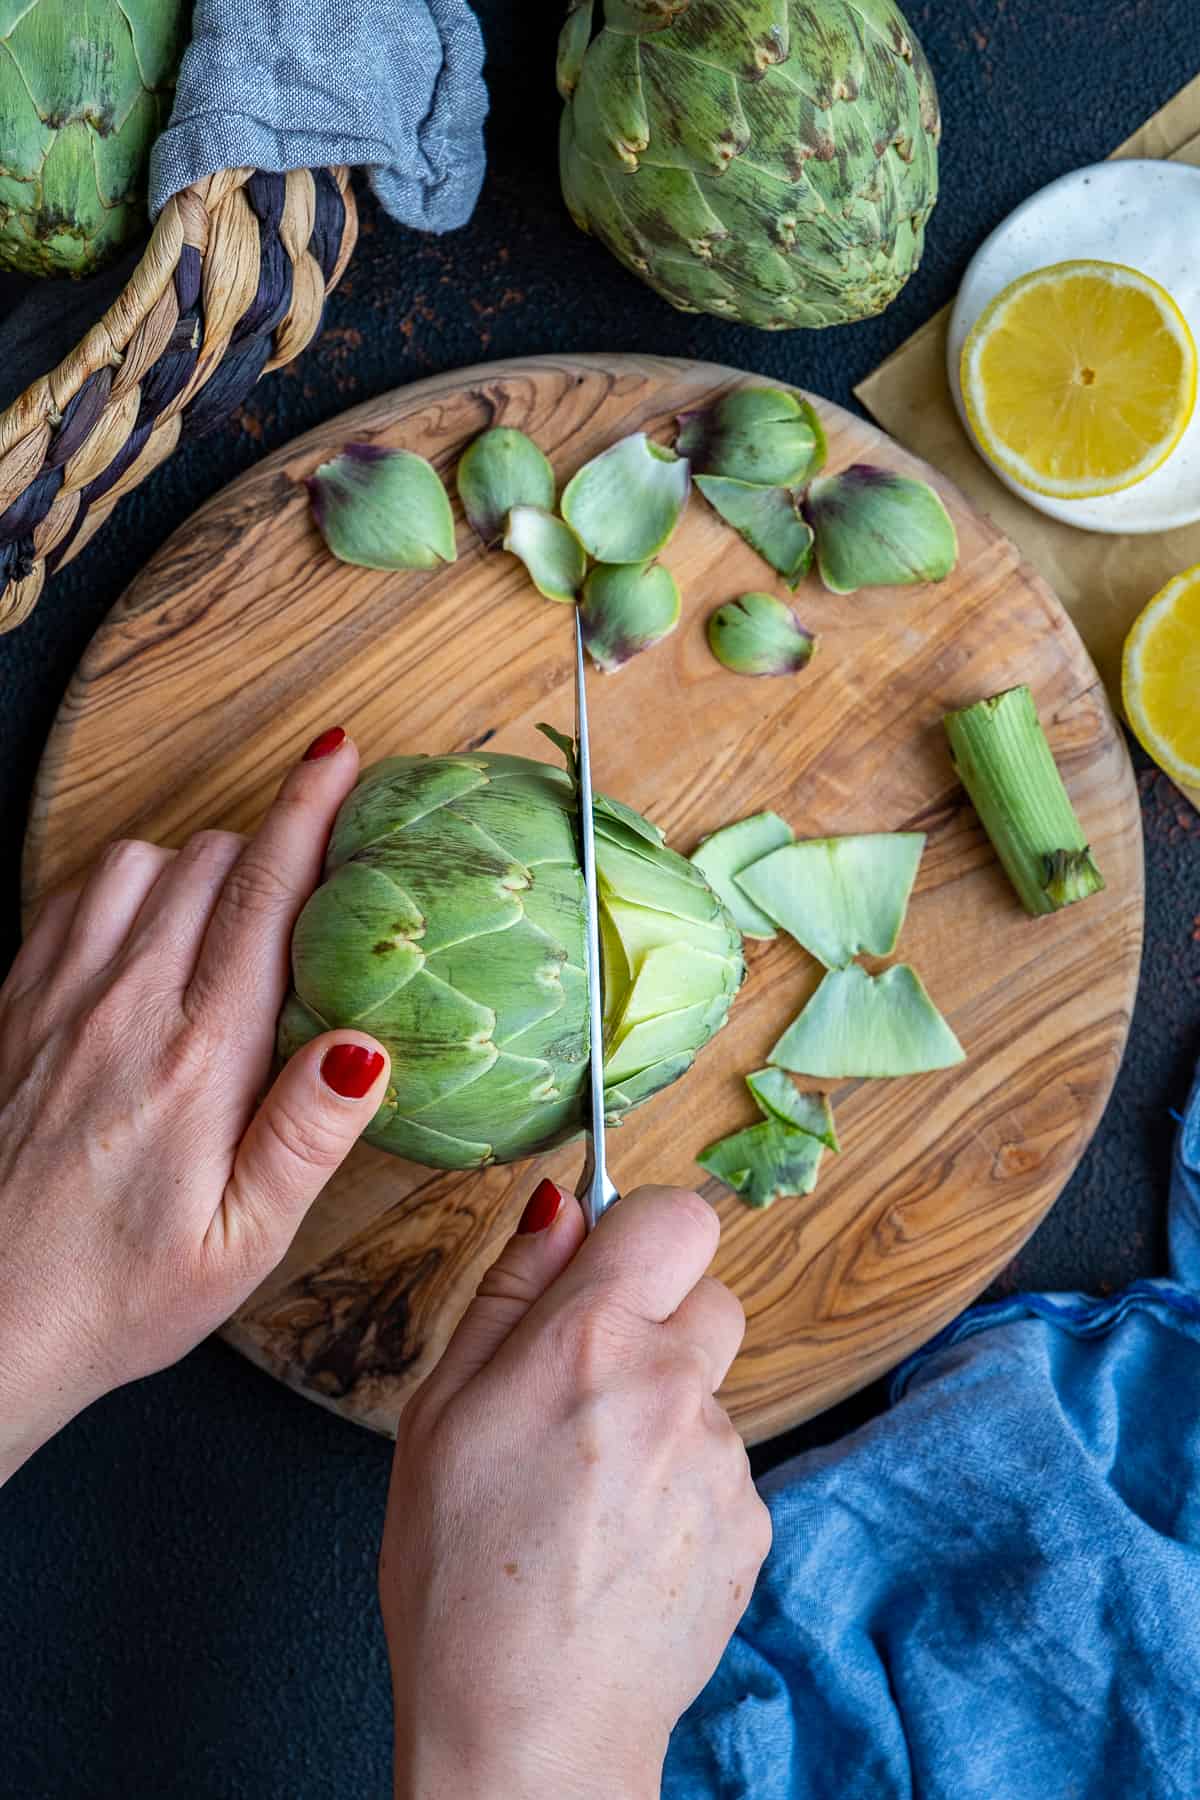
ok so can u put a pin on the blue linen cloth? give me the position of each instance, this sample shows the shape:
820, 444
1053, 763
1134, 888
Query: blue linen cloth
393, 85
991, 1592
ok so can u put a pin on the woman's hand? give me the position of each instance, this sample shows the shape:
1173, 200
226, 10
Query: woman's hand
572, 1531
142, 1195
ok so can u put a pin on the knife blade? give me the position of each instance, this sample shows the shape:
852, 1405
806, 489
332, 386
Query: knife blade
596, 1191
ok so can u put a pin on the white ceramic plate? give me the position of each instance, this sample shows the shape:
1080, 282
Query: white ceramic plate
1146, 214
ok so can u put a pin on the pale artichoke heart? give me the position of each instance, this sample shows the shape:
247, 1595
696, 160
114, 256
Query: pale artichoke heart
451, 927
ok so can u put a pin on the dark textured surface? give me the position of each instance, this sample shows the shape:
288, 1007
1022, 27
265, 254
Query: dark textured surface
187, 1581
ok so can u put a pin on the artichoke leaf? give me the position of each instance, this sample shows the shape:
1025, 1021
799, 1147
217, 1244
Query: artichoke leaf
501, 469
777, 1097
838, 897
868, 1025
355, 944
723, 855
766, 1162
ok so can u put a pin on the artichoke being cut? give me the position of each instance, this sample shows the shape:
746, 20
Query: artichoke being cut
450, 926
862, 1025
721, 857
85, 88
839, 897
770, 161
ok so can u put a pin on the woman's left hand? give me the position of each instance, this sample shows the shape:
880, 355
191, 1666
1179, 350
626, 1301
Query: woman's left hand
144, 1192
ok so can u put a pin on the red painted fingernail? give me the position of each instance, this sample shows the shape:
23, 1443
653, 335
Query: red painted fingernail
543, 1208
351, 1070
325, 745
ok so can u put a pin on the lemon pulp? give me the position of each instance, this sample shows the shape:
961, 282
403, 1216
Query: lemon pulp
1080, 379
1160, 678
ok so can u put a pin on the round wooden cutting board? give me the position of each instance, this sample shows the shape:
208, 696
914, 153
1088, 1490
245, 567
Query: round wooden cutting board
244, 638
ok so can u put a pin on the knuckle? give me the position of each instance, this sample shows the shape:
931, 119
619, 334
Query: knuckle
306, 1138
584, 1340
128, 856
212, 849
255, 889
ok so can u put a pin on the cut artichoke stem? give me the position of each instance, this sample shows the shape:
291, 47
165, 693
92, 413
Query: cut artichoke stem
765, 437
868, 1025
451, 926
766, 1162
625, 504
551, 552
777, 1097
383, 509
768, 518
721, 857
625, 609
760, 635
503, 468
838, 897
1013, 782
874, 528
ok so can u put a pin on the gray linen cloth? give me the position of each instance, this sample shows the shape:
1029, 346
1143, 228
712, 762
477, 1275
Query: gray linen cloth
395, 86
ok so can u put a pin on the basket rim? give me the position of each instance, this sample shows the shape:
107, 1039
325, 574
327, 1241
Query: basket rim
183, 221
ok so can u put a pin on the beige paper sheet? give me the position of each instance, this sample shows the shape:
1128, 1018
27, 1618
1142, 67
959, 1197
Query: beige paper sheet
1103, 581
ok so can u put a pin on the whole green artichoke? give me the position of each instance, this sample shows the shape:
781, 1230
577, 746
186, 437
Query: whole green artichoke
770, 161
85, 88
451, 927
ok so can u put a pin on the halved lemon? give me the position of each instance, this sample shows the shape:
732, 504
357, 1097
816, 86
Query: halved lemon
1160, 678
1080, 379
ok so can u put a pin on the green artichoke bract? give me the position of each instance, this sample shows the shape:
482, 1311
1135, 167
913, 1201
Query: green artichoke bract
85, 88
771, 161
451, 926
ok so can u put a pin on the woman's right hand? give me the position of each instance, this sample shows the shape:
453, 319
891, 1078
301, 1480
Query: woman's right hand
572, 1530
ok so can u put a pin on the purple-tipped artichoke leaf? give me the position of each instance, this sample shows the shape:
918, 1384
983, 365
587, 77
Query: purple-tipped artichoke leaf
624, 505
759, 635
626, 609
502, 468
768, 437
550, 551
769, 519
874, 528
383, 509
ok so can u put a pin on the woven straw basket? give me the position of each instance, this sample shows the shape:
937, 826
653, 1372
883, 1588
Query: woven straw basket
232, 284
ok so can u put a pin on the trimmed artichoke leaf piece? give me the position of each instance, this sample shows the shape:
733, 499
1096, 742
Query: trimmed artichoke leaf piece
874, 528
838, 897
1012, 780
765, 437
502, 468
626, 609
759, 635
770, 520
607, 808
721, 857
777, 1097
624, 505
551, 552
766, 1162
383, 509
868, 1025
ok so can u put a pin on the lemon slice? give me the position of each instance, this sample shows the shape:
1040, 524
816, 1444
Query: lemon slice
1080, 379
1160, 678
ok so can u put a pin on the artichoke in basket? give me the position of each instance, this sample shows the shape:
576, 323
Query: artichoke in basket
770, 161
451, 927
85, 88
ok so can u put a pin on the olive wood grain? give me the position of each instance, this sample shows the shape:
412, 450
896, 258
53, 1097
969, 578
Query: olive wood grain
243, 638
